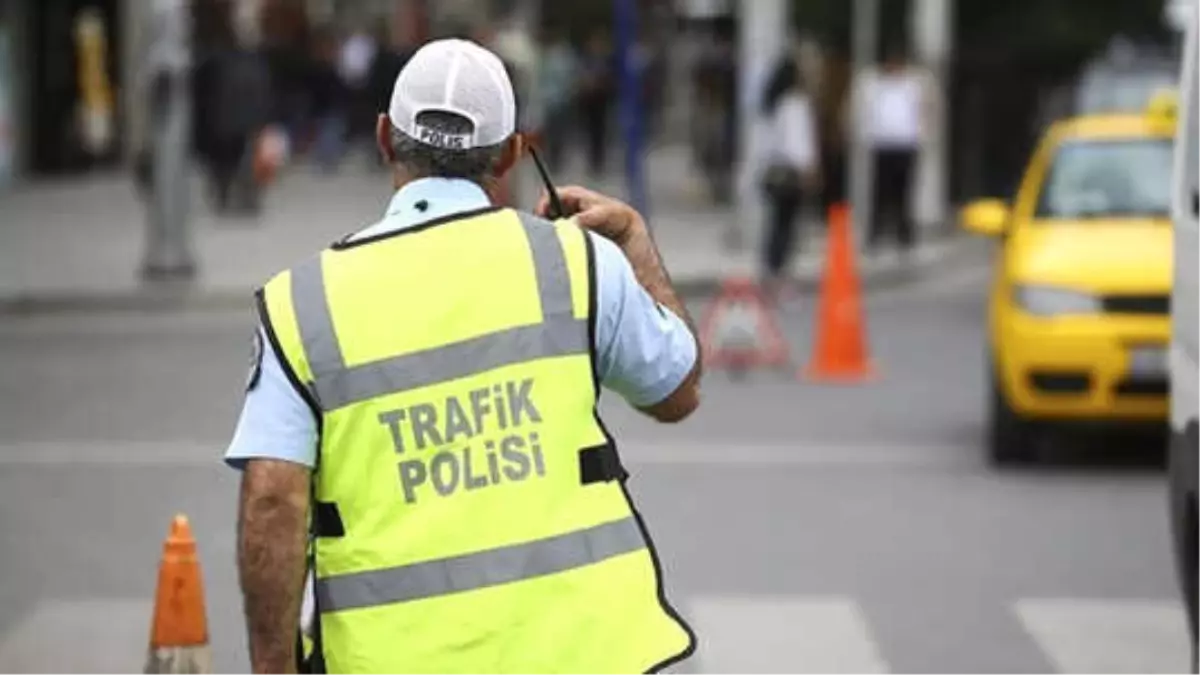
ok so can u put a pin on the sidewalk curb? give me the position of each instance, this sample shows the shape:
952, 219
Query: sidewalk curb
134, 300
150, 299
950, 247
701, 287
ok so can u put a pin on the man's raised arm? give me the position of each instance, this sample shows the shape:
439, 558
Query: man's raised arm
624, 226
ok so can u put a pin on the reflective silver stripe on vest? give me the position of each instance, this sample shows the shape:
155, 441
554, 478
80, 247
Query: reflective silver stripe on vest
561, 337
550, 263
336, 385
313, 317
479, 570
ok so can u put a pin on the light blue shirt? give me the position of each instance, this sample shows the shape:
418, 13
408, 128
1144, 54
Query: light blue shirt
643, 351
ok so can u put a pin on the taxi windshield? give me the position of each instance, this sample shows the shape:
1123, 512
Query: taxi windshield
1118, 178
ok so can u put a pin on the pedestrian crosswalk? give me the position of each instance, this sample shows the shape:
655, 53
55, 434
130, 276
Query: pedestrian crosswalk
835, 635
761, 635
737, 633
1114, 636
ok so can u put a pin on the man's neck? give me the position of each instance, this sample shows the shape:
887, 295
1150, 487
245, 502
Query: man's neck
400, 178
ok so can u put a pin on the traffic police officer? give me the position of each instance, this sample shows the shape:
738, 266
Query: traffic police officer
420, 422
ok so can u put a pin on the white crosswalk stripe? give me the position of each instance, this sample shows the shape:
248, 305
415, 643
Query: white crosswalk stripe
737, 634
1108, 636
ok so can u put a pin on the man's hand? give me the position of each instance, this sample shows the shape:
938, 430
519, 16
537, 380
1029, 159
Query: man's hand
610, 218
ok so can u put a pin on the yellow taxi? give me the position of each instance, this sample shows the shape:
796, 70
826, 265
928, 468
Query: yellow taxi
1079, 314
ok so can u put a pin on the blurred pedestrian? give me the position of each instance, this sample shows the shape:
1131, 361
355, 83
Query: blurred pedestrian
389, 59
358, 53
596, 99
288, 56
891, 109
652, 61
511, 41
427, 387
831, 103
557, 90
716, 114
330, 101
791, 173
233, 86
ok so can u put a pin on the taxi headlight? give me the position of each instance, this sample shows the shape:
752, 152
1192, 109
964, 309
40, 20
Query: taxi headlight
1051, 301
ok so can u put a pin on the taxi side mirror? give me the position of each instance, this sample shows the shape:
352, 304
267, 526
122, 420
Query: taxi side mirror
988, 217
1164, 105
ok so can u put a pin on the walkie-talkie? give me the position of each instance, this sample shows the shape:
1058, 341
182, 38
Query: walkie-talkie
556, 207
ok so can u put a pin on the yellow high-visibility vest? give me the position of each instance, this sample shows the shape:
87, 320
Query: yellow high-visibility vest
471, 515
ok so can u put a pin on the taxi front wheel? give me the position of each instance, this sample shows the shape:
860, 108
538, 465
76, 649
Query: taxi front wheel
1010, 438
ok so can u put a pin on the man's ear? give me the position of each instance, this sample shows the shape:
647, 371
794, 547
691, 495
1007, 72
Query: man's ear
514, 149
383, 138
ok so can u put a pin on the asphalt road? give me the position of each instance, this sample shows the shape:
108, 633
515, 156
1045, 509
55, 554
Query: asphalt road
803, 528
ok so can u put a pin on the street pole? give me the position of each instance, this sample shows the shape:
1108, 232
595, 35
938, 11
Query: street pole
631, 113
762, 38
866, 39
168, 254
932, 25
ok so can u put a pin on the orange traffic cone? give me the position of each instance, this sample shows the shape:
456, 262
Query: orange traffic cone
179, 634
840, 350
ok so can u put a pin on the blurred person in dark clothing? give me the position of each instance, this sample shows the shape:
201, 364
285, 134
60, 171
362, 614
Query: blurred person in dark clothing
288, 58
558, 77
654, 88
233, 106
791, 174
716, 141
831, 121
598, 78
329, 101
390, 57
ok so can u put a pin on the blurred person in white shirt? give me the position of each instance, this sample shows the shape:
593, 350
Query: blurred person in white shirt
892, 108
357, 56
791, 174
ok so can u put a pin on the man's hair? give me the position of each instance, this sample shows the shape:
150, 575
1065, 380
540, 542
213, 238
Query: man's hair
425, 161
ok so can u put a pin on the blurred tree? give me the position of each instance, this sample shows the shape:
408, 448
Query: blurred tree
1010, 30
1052, 30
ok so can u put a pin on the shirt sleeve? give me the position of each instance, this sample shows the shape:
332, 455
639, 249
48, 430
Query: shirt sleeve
799, 136
643, 350
275, 422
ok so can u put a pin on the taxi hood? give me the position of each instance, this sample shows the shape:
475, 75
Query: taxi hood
1131, 256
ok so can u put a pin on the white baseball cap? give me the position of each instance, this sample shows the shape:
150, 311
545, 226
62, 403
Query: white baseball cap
458, 77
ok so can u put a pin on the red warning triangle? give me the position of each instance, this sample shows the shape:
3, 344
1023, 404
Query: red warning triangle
739, 329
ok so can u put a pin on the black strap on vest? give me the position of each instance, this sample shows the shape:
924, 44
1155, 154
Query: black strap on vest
327, 520
600, 464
